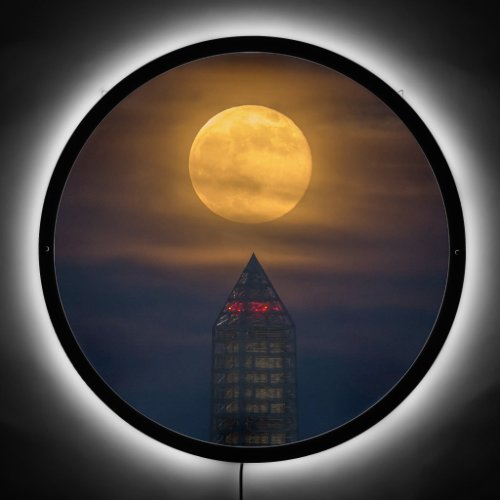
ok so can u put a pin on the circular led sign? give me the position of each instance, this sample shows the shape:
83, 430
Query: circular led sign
252, 249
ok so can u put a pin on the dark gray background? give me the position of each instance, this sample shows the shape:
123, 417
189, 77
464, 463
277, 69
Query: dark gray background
58, 440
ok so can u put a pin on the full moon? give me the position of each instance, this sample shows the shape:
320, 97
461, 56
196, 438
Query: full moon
250, 164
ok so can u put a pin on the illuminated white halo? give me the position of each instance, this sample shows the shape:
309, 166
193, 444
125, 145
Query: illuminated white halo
109, 70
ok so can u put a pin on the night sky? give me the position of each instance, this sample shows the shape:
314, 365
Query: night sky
144, 267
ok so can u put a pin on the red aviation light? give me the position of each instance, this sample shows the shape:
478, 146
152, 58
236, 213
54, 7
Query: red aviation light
253, 307
235, 307
262, 307
259, 307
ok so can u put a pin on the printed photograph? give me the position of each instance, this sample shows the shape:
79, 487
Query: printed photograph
251, 249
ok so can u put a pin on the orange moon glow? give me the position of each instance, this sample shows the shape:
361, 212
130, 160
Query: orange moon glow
250, 164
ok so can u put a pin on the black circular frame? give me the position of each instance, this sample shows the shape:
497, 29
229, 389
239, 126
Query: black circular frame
456, 266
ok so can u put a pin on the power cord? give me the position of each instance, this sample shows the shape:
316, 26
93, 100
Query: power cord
241, 481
